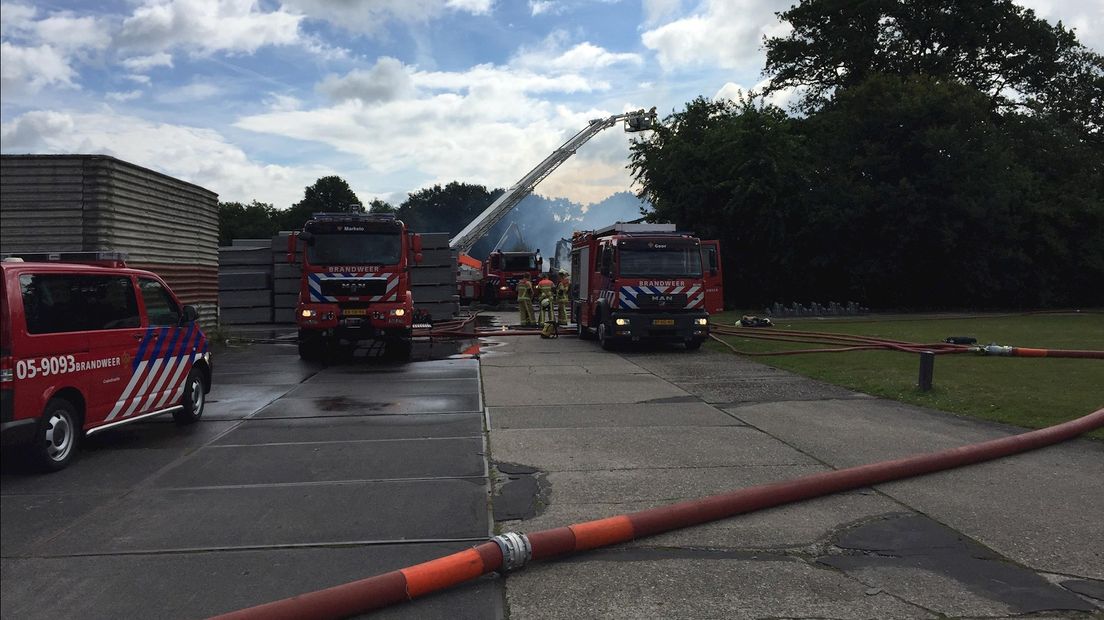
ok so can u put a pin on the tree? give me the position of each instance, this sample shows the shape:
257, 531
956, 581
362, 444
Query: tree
995, 46
445, 209
330, 194
737, 172
380, 206
241, 221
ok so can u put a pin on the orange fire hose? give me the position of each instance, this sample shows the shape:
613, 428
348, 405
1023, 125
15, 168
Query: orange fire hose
513, 550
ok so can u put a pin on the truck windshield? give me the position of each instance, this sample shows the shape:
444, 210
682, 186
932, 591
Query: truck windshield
520, 263
669, 261
368, 248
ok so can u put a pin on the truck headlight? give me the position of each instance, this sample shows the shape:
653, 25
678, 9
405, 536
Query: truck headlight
701, 321
398, 312
621, 321
308, 313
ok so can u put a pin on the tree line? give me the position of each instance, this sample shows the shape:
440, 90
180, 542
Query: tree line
942, 154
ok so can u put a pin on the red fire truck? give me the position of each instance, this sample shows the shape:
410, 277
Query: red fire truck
503, 270
632, 282
355, 281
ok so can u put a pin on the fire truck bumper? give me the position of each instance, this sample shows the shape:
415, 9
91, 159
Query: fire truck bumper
669, 326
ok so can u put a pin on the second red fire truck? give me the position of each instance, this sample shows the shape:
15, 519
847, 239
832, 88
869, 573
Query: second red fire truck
632, 282
355, 281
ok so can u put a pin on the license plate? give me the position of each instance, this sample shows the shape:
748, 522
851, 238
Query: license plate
355, 312
663, 322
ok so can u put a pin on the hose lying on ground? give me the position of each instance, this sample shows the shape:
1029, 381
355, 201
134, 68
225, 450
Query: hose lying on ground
513, 550
842, 343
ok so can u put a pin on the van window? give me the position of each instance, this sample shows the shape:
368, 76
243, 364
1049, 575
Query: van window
160, 306
56, 303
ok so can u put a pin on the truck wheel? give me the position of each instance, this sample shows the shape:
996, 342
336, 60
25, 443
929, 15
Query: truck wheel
489, 296
195, 397
583, 331
605, 339
398, 349
57, 436
310, 347
693, 345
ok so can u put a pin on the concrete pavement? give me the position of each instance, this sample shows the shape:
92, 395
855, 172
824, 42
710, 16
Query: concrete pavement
608, 433
298, 477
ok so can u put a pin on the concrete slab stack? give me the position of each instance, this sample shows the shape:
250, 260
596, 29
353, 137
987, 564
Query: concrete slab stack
433, 281
285, 280
245, 289
59, 203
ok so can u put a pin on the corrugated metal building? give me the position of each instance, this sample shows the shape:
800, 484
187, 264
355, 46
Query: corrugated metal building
97, 202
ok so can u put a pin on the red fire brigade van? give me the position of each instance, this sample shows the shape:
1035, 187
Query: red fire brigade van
87, 344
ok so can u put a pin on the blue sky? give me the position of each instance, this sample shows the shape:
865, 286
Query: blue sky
257, 99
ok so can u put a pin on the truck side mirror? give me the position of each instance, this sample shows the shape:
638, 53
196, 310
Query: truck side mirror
306, 237
416, 243
495, 262
189, 315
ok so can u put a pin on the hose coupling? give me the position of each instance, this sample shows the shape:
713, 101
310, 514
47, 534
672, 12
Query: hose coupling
516, 550
994, 349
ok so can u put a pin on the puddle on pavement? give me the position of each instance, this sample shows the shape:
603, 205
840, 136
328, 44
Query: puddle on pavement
521, 492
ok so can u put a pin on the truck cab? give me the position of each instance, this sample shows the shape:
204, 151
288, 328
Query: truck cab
633, 282
503, 270
355, 281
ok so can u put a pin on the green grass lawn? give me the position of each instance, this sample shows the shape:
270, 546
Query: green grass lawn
1029, 392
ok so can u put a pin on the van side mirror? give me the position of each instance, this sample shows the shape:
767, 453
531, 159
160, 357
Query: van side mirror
189, 315
416, 243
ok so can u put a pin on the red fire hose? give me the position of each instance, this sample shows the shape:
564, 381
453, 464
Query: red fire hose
513, 550
840, 343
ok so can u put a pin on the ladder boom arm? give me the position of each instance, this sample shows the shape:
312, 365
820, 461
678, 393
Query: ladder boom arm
481, 225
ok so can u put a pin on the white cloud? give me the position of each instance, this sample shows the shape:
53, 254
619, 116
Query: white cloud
27, 132
783, 98
282, 103
140, 79
207, 26
1085, 17
483, 125
26, 70
200, 156
477, 7
373, 16
656, 11
189, 93
721, 33
66, 31
542, 7
124, 96
17, 18
145, 63
551, 56
385, 81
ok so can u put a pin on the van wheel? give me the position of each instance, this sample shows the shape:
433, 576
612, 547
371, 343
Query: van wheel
193, 400
57, 436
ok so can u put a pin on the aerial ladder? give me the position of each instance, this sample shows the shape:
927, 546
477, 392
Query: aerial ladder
638, 120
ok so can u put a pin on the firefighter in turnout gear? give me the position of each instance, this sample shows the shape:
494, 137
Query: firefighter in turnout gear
545, 289
563, 297
525, 302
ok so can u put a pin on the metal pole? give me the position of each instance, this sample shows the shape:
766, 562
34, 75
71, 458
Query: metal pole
927, 369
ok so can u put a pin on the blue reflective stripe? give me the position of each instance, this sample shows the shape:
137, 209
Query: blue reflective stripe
141, 349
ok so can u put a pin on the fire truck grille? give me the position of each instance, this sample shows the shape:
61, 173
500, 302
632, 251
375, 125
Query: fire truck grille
350, 287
